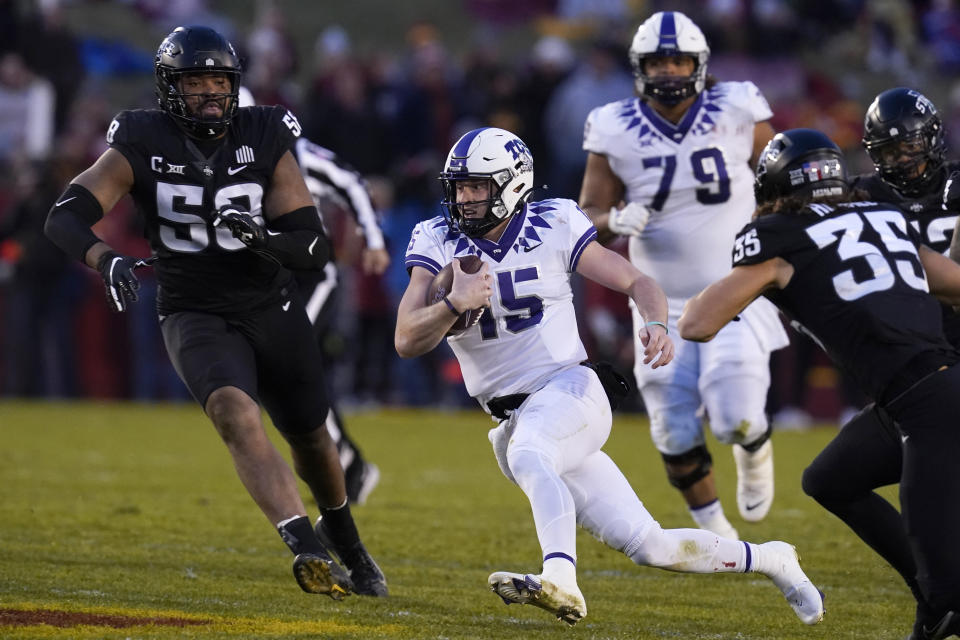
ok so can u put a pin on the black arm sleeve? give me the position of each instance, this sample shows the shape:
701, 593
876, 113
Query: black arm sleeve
69, 221
297, 240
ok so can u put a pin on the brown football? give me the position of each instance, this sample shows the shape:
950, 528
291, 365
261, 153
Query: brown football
440, 287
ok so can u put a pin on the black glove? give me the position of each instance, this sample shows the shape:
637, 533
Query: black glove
951, 192
117, 273
242, 225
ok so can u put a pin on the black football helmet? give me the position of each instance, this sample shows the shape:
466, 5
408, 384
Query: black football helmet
903, 134
196, 50
800, 162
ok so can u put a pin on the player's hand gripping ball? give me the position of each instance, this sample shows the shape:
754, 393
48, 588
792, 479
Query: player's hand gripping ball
441, 284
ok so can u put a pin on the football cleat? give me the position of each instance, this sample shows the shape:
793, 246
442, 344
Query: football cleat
318, 573
366, 576
754, 481
782, 565
567, 604
948, 625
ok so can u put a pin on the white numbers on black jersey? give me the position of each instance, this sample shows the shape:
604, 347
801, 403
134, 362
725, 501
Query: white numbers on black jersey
293, 124
746, 246
892, 229
182, 227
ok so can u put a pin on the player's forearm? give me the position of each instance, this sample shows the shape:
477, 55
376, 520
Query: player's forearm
650, 299
297, 240
421, 330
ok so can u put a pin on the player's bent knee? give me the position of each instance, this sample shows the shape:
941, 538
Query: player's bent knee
232, 412
695, 464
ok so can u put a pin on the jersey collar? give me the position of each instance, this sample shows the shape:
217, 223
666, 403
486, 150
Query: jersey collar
498, 250
673, 132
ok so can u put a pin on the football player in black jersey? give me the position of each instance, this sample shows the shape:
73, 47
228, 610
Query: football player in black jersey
227, 215
903, 133
857, 278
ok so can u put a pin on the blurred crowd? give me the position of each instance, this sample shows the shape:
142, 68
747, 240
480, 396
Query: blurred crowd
393, 115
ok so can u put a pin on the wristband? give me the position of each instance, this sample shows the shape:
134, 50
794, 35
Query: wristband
658, 323
450, 306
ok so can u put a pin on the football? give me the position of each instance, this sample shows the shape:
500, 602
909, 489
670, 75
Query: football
440, 287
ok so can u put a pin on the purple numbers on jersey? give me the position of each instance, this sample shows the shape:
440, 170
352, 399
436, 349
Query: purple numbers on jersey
708, 168
531, 306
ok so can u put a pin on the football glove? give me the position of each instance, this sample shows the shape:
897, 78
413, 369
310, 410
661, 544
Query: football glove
628, 221
117, 272
951, 192
242, 225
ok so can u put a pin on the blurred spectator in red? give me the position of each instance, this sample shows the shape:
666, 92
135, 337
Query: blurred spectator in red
271, 64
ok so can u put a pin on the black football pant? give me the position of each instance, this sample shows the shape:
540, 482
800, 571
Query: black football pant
865, 455
928, 415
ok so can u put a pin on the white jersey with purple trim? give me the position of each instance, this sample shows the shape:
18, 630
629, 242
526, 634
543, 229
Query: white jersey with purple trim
694, 177
530, 331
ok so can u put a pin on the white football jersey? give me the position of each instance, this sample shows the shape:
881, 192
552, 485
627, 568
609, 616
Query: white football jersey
530, 331
694, 177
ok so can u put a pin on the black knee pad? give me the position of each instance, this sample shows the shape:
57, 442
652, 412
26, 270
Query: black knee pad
699, 456
756, 444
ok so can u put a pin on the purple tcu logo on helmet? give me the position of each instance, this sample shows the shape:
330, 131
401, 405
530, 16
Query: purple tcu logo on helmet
517, 148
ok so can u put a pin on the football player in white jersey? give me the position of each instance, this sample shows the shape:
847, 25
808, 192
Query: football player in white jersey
523, 363
671, 170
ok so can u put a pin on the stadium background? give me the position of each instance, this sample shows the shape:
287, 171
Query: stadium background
389, 86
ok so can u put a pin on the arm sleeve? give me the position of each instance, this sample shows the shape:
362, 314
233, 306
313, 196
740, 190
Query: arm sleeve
69, 221
297, 240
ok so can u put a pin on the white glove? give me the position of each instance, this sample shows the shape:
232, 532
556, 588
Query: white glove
628, 221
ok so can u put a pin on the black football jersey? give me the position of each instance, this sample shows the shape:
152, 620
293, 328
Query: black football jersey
927, 216
178, 189
858, 289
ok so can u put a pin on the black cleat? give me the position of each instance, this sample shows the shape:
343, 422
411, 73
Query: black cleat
947, 626
318, 573
367, 578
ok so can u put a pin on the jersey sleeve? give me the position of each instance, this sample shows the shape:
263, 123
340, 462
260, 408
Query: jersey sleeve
580, 231
747, 96
124, 133
283, 128
596, 134
763, 239
424, 249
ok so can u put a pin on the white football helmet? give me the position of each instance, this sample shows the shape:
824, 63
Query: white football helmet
496, 155
669, 33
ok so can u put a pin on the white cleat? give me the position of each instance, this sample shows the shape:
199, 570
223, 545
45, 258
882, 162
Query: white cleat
783, 567
754, 481
565, 603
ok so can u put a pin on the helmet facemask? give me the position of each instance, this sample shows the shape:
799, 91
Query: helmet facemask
908, 161
196, 50
669, 33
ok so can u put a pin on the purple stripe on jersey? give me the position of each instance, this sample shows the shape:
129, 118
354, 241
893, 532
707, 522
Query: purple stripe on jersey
746, 565
581, 244
673, 132
498, 250
668, 34
417, 260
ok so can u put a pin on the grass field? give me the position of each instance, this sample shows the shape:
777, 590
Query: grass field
130, 519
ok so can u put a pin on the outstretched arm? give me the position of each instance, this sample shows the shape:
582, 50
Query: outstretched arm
616, 272
711, 309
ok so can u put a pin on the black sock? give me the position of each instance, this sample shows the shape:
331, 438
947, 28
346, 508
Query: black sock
299, 535
340, 526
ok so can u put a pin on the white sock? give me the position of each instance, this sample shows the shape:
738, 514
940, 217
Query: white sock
711, 517
560, 571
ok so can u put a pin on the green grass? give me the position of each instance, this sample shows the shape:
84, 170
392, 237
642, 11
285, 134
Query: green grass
136, 510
